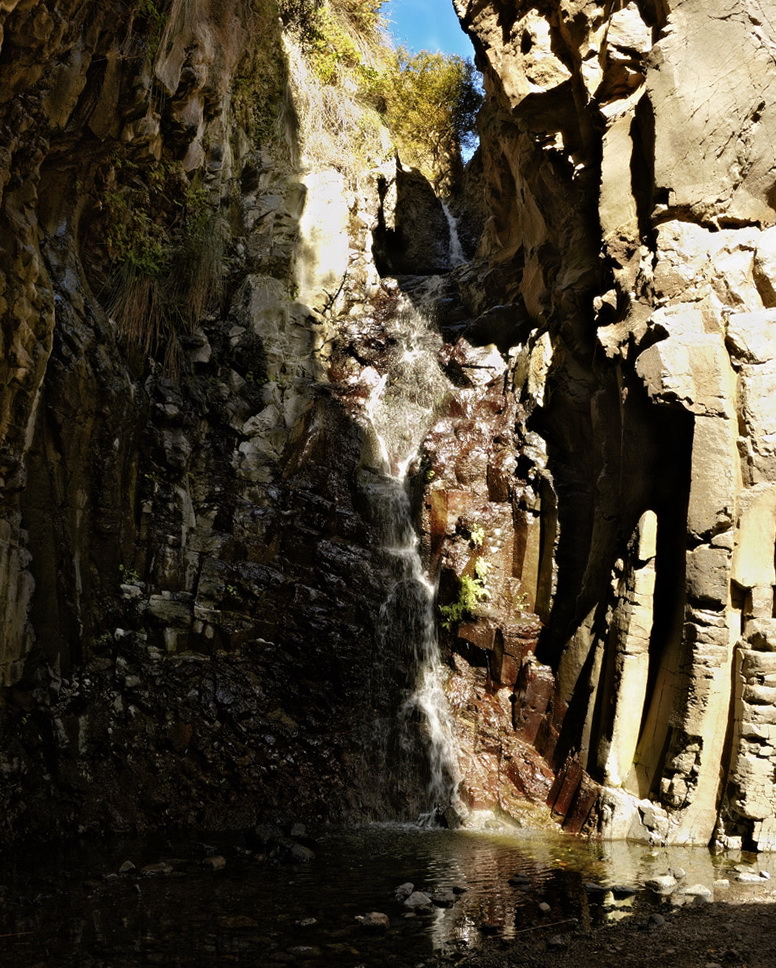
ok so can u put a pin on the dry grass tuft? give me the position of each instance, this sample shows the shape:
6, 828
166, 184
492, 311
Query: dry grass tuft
336, 127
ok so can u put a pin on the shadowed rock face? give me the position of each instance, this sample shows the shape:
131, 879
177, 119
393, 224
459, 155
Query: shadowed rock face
190, 561
192, 582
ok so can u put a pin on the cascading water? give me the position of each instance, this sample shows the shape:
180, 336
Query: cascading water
400, 411
457, 256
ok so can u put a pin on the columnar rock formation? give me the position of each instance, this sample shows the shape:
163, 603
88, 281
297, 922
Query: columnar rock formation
631, 184
198, 311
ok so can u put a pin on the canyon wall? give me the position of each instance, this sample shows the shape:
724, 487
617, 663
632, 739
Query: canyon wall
190, 571
204, 302
630, 183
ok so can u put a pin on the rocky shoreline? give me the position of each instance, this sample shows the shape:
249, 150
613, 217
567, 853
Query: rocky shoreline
739, 934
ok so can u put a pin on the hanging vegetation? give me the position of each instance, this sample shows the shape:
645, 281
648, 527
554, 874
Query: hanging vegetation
428, 101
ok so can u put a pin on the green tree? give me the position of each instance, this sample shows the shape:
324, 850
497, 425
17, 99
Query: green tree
431, 102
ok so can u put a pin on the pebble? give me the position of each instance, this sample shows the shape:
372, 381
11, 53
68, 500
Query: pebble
154, 870
418, 899
375, 921
519, 880
126, 867
305, 951
745, 877
557, 941
592, 888
722, 883
216, 863
623, 890
544, 907
695, 890
446, 900
301, 854
678, 872
656, 920
663, 884
403, 891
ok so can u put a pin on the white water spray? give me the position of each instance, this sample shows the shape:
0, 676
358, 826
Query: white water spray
400, 410
457, 256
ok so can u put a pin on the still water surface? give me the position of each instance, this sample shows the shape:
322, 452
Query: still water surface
69, 908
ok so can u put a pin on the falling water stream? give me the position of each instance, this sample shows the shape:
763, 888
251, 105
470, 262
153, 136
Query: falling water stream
400, 411
177, 902
457, 256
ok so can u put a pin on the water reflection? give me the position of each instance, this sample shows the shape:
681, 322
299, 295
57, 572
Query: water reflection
74, 908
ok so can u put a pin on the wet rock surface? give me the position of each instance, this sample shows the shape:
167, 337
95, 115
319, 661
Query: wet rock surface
195, 578
710, 936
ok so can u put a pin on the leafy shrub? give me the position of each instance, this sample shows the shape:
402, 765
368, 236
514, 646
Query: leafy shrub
301, 18
432, 102
476, 536
471, 591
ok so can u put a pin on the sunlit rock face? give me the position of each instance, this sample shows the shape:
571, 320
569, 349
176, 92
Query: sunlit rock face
632, 193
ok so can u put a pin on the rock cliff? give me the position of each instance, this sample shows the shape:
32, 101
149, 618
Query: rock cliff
630, 186
204, 304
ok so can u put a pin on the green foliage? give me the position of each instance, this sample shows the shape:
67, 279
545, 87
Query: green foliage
482, 569
364, 15
476, 536
301, 17
149, 9
164, 244
337, 37
332, 49
471, 591
129, 576
317, 23
133, 237
151, 21
431, 104
520, 601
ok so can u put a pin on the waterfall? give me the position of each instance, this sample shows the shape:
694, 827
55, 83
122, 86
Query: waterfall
400, 411
457, 256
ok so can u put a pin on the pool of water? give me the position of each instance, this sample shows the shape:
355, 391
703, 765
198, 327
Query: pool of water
72, 906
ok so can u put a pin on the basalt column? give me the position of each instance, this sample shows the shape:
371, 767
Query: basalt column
630, 184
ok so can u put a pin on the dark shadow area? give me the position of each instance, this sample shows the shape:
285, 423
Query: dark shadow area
195, 904
204, 624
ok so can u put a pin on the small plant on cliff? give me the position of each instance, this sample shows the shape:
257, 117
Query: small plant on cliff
472, 590
476, 536
165, 245
129, 576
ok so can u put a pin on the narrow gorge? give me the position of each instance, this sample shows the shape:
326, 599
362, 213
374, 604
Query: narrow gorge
312, 508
